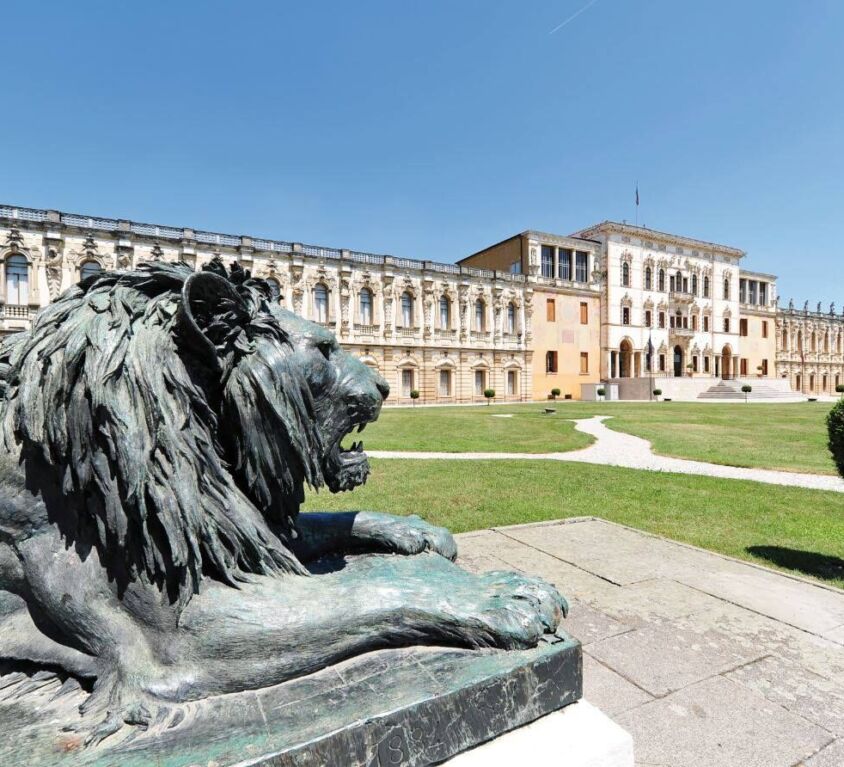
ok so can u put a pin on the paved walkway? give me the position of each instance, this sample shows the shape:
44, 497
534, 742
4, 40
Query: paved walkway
705, 660
613, 448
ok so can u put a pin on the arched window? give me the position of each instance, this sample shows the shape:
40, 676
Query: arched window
679, 283
407, 310
511, 318
661, 281
365, 305
445, 313
89, 269
275, 289
694, 284
625, 275
480, 315
321, 303
17, 280
784, 339
706, 287
726, 288
648, 278
799, 340
826, 342
814, 342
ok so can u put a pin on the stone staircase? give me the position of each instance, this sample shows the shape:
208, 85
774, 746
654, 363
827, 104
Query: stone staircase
731, 390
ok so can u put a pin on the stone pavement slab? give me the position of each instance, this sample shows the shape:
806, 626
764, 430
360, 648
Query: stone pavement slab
705, 659
717, 723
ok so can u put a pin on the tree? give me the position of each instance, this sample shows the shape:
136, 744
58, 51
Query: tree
414, 395
555, 393
657, 393
489, 394
601, 391
835, 430
747, 388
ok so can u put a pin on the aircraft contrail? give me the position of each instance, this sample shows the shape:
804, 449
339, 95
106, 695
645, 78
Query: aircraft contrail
572, 17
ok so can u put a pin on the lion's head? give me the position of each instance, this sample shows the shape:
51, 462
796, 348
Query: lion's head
172, 418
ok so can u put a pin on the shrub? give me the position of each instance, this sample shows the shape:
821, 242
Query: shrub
840, 388
601, 391
414, 395
835, 429
489, 394
747, 388
657, 393
555, 393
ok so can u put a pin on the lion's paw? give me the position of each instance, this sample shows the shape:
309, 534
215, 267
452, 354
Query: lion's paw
516, 610
413, 535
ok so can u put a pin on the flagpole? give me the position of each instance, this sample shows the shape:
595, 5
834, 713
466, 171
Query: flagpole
637, 203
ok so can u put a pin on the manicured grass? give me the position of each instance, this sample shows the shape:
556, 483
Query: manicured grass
726, 516
787, 436
474, 429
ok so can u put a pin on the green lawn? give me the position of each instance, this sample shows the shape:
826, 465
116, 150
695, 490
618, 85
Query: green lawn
787, 436
726, 516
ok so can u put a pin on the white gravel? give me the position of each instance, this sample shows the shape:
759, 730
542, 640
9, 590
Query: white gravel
613, 448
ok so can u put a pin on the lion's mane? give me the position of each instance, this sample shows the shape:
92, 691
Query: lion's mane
172, 464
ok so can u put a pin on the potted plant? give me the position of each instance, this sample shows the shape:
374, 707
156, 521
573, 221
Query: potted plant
601, 392
690, 367
489, 394
759, 371
555, 393
657, 394
414, 395
747, 388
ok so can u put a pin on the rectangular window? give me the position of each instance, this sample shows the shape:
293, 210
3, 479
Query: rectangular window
763, 293
705, 324
706, 364
584, 313
564, 263
547, 261
625, 316
662, 319
581, 266
726, 324
764, 328
742, 327
550, 310
647, 318
550, 362
480, 382
694, 322
695, 364
764, 367
516, 267
753, 295
743, 366
584, 363
742, 291
445, 383
661, 363
406, 382
512, 383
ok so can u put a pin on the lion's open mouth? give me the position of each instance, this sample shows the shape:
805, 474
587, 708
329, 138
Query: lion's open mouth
347, 468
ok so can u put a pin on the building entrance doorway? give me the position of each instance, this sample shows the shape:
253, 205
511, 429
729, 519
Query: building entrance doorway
727, 363
625, 358
678, 362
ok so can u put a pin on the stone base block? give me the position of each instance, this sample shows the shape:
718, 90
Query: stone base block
407, 708
577, 736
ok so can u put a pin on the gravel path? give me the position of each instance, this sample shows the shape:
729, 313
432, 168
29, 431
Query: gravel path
613, 448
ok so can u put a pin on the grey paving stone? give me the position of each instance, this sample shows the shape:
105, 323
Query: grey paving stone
659, 598
718, 723
796, 689
667, 656
611, 693
831, 756
835, 635
590, 625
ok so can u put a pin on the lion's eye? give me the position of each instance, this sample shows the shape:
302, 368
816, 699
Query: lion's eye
325, 348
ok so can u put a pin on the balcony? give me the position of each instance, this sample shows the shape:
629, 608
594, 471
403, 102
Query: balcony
681, 333
407, 332
366, 330
480, 335
445, 334
681, 296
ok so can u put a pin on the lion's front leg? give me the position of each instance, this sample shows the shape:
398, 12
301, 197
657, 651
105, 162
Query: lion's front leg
370, 532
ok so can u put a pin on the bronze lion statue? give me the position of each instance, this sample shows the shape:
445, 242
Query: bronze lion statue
159, 427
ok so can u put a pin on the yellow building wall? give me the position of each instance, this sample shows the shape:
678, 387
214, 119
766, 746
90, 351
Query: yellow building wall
755, 348
568, 337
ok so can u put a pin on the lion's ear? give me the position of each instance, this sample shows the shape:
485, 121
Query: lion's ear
213, 314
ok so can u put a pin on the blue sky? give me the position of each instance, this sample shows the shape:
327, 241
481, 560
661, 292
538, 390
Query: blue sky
429, 130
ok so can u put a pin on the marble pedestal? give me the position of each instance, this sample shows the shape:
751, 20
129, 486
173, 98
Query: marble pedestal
406, 708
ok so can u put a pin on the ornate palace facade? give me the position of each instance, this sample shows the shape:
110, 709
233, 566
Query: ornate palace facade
532, 314
445, 331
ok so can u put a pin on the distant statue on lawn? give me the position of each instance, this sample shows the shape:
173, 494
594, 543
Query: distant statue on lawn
159, 428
